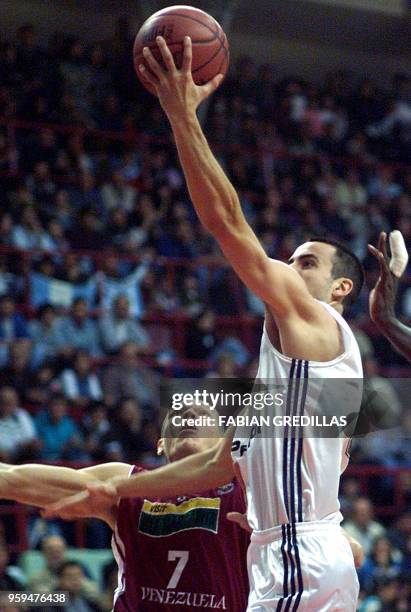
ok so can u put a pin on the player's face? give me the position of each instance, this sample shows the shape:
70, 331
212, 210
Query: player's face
314, 262
182, 441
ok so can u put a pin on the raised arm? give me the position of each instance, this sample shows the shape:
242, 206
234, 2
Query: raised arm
214, 197
383, 296
188, 476
41, 485
199, 472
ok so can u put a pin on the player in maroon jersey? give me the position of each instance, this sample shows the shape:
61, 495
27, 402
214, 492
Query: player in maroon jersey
182, 553
173, 554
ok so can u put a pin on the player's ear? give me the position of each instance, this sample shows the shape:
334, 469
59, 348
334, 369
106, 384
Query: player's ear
341, 288
160, 447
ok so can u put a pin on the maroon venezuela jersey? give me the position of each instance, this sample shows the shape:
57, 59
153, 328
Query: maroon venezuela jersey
181, 554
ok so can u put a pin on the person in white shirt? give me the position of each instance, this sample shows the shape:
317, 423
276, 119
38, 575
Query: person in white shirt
17, 431
119, 327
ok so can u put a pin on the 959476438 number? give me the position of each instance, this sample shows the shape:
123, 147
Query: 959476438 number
22, 599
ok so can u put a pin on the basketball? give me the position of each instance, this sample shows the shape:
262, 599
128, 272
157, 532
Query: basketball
209, 42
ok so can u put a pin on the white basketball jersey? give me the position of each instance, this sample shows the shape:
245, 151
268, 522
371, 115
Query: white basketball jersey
295, 478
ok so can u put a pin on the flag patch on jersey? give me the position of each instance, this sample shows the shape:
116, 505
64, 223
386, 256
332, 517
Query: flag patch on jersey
159, 519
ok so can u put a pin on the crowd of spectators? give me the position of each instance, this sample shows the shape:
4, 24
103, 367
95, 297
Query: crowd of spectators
99, 246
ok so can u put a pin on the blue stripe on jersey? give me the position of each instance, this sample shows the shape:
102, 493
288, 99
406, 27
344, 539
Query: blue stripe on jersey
300, 445
299, 572
285, 442
300, 489
295, 406
285, 563
294, 431
292, 562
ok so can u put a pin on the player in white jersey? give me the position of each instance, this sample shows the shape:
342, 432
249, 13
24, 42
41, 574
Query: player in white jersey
299, 558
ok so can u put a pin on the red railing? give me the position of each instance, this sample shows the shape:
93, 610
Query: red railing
132, 135
364, 473
245, 326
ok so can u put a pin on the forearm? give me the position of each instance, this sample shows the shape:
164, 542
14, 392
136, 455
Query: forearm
213, 196
187, 476
37, 484
398, 334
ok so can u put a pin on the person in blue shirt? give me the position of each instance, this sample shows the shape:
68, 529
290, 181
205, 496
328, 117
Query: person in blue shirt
384, 561
58, 433
78, 331
13, 326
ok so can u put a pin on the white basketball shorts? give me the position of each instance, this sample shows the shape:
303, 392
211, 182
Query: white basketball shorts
307, 567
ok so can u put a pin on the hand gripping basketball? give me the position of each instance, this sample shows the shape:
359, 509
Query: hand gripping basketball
178, 94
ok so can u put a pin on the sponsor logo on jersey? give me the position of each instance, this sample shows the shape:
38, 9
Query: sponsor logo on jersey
161, 519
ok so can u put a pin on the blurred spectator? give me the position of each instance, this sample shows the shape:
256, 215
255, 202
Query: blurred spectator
75, 74
13, 325
361, 525
42, 385
384, 561
113, 283
53, 549
17, 433
54, 553
59, 435
201, 338
385, 598
225, 367
128, 377
17, 372
11, 577
42, 188
44, 332
88, 233
400, 533
159, 293
86, 195
191, 298
117, 193
80, 384
119, 327
71, 579
125, 441
350, 195
95, 426
6, 229
350, 491
78, 331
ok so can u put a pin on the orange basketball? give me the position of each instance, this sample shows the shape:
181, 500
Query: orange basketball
210, 46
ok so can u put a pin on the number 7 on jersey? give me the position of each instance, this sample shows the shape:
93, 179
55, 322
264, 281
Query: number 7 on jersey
182, 556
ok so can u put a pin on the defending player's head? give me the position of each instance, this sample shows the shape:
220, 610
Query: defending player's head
181, 438
330, 270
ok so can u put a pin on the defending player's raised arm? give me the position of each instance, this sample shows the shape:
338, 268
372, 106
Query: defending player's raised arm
383, 296
40, 485
188, 476
214, 197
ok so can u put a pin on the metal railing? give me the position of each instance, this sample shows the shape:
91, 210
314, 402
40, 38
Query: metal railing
366, 474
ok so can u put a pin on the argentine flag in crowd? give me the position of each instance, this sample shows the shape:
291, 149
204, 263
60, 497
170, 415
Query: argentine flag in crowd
46, 290
129, 286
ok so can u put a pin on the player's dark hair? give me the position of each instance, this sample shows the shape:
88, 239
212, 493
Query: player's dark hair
346, 264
